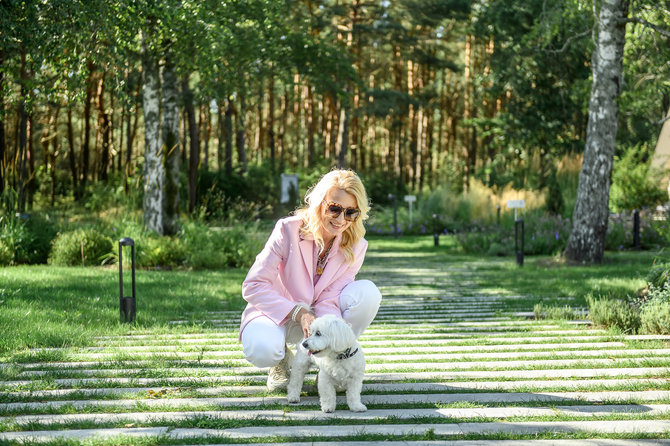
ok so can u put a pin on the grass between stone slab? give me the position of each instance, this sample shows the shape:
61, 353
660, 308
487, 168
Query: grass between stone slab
211, 422
429, 435
281, 405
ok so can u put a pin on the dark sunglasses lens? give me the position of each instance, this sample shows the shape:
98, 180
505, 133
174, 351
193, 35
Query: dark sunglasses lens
351, 214
335, 210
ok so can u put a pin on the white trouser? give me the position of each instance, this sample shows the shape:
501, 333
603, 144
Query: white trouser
263, 341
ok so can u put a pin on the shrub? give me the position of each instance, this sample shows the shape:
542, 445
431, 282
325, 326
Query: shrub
79, 247
658, 275
634, 184
219, 247
27, 238
608, 312
161, 252
6, 255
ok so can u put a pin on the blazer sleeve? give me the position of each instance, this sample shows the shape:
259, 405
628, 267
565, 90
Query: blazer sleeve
260, 286
328, 302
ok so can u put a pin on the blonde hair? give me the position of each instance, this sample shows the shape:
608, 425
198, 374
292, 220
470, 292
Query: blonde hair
310, 213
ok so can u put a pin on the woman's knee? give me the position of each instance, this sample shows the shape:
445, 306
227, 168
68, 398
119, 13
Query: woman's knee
360, 295
263, 346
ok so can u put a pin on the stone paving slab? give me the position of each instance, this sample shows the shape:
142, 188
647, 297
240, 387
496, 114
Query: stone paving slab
390, 376
100, 353
237, 359
447, 398
367, 387
313, 415
571, 442
637, 426
520, 364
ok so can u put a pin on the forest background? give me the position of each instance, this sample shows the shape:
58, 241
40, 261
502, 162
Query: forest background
147, 118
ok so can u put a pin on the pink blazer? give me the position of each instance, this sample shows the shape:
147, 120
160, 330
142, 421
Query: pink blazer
283, 275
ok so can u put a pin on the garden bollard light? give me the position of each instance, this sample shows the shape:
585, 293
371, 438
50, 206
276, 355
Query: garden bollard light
518, 240
395, 214
636, 229
127, 304
498, 215
436, 234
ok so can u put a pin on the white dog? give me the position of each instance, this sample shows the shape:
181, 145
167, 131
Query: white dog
334, 349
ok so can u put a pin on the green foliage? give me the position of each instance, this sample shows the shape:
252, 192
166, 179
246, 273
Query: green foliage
554, 202
653, 234
634, 184
81, 247
655, 312
219, 247
240, 197
27, 239
565, 312
659, 275
544, 234
609, 312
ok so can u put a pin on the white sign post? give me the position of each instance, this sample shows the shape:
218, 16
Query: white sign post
516, 204
288, 182
410, 199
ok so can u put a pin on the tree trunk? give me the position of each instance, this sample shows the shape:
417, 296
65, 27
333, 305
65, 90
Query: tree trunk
241, 150
85, 149
105, 130
170, 108
53, 156
22, 170
154, 172
589, 224
71, 153
228, 132
3, 149
311, 126
343, 135
271, 119
194, 146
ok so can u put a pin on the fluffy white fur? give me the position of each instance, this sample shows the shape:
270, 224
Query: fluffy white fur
331, 337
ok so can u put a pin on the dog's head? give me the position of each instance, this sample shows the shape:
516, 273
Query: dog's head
330, 334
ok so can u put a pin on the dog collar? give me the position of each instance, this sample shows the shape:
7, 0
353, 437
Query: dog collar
347, 354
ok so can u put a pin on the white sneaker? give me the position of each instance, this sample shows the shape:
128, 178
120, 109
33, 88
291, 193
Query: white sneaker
279, 374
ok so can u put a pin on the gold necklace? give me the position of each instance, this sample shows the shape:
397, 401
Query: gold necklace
321, 262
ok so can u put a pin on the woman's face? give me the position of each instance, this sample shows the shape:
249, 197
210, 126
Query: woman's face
333, 226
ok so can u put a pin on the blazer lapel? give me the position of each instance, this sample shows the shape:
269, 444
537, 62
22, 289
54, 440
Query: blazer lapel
307, 252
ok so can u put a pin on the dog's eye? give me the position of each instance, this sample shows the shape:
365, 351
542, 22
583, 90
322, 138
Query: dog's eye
318, 333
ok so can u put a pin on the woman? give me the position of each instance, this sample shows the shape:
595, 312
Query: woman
306, 270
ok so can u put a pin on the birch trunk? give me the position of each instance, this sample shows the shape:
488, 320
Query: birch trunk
194, 145
154, 172
170, 107
589, 223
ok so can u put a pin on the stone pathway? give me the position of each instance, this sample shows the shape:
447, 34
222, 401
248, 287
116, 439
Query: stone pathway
444, 366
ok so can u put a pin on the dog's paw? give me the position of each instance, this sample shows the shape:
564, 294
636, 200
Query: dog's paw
293, 398
358, 407
327, 408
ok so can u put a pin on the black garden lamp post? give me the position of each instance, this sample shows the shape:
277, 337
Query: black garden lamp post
127, 304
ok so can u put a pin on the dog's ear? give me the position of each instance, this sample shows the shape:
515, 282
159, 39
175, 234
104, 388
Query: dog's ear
343, 336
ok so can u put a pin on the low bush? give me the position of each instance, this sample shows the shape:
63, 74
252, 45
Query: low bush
81, 247
26, 238
612, 312
564, 312
219, 247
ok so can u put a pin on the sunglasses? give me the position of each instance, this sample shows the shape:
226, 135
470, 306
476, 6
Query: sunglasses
334, 210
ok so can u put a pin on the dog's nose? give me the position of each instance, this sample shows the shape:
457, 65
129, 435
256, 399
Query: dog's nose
304, 344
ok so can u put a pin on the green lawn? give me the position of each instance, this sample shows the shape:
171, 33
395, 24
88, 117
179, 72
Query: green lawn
44, 306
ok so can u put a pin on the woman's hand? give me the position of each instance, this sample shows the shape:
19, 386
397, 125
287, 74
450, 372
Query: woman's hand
305, 318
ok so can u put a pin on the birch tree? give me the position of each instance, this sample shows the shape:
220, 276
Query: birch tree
154, 170
589, 224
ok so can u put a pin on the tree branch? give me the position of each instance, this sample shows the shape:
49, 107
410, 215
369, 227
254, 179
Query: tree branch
639, 21
567, 42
